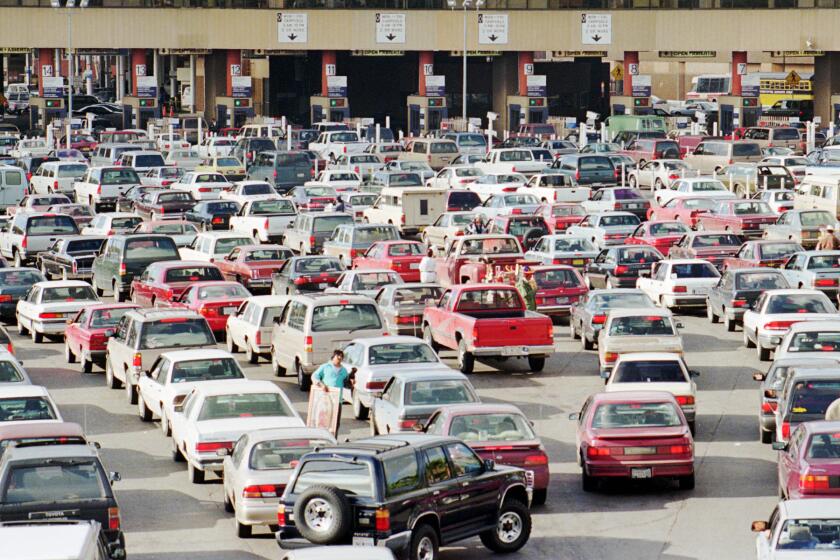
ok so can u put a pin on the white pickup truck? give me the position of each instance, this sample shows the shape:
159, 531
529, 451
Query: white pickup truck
512, 160
216, 146
330, 145
101, 186
265, 219
338, 179
555, 187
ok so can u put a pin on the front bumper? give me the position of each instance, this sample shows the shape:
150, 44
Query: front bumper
513, 351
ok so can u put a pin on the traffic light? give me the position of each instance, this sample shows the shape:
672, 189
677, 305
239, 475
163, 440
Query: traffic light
641, 102
750, 101
52, 103
145, 102
241, 102
536, 102
435, 102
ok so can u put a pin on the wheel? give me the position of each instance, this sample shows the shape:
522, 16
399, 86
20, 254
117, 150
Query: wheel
539, 497
165, 427
466, 361
610, 285
762, 353
360, 411
130, 391
429, 339
231, 345
424, 543
632, 181
227, 503
22, 331
323, 515
69, 356
195, 475
513, 528
279, 370
765, 436
87, 366
536, 363
17, 260
250, 355
110, 380
710, 313
37, 337
728, 323
177, 456
747, 342
304, 381
588, 483
243, 531
143, 411
686, 482
118, 296
692, 427
586, 343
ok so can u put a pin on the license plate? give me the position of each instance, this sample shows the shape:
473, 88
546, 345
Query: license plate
228, 310
300, 175
700, 291
561, 300
640, 473
414, 266
364, 541
764, 226
322, 285
577, 261
514, 350
634, 206
639, 451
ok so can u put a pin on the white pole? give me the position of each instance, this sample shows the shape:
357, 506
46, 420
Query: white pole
171, 131
50, 135
283, 122
89, 118
831, 129
387, 121
583, 136
400, 136
603, 132
715, 129
89, 78
200, 130
192, 84
623, 172
378, 136
289, 137
28, 70
69, 73
151, 129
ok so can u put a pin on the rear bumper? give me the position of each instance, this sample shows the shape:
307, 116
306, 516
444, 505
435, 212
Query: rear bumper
509, 351
288, 537
561, 310
768, 340
249, 513
624, 281
657, 469
672, 300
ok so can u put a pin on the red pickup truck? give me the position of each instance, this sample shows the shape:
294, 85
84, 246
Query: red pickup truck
488, 320
470, 257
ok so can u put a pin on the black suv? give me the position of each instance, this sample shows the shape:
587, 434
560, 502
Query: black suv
123, 257
408, 492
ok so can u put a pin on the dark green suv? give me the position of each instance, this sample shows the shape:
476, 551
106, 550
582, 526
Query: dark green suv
123, 257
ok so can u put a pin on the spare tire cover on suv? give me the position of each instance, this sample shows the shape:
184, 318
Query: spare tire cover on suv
323, 515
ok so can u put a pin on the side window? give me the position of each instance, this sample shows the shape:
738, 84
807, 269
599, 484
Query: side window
122, 328
297, 316
392, 394
437, 467
435, 426
250, 312
189, 404
401, 473
464, 460
160, 370
133, 334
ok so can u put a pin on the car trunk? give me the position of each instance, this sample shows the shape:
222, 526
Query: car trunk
558, 295
312, 282
406, 264
507, 453
264, 269
526, 331
645, 343
327, 341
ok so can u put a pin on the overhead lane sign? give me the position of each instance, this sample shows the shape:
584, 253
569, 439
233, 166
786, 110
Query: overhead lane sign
292, 27
596, 29
492, 29
390, 28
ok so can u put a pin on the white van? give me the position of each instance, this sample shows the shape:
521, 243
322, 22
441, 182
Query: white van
13, 185
57, 177
411, 209
273, 131
65, 540
817, 192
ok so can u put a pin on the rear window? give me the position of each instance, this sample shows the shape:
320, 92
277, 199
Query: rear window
694, 270
748, 208
84, 245
72, 170
639, 255
258, 255
206, 370
642, 325
218, 407
125, 176
649, 371
785, 134
438, 392
635, 415
347, 317
798, 303
417, 296
329, 223
404, 180
222, 207
826, 341
317, 264
824, 446
573, 244
723, 239
760, 281
811, 398
816, 219
259, 188
490, 300
503, 426
9, 373
282, 453
520, 227
175, 197
19, 277
225, 246
745, 149
574, 210
176, 332
466, 200
159, 248
51, 225
627, 194
401, 473
659, 230
150, 160
68, 293
351, 477
443, 148
595, 164
26, 408
126, 223
228, 290
66, 479
193, 274
227, 161
619, 220
405, 250
402, 353
292, 160
107, 318
559, 278
371, 234
818, 262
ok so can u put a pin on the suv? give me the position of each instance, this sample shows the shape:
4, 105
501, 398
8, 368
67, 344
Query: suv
142, 335
308, 232
125, 256
30, 233
283, 170
141, 160
438, 153
246, 149
774, 136
410, 493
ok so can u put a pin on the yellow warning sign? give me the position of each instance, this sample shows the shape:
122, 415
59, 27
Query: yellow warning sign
617, 73
792, 79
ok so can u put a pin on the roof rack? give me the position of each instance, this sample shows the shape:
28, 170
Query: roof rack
380, 446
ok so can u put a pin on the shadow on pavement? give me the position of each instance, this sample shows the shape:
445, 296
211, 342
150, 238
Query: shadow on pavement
152, 510
572, 548
208, 555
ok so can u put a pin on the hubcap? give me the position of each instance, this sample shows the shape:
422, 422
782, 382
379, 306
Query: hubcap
509, 527
425, 549
319, 515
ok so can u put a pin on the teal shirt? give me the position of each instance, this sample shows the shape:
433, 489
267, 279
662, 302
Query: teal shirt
330, 376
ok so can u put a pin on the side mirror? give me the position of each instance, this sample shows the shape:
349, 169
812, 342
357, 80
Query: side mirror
114, 476
179, 408
680, 326
758, 376
277, 320
109, 333
780, 446
693, 373
605, 375
759, 526
489, 465
574, 416
223, 452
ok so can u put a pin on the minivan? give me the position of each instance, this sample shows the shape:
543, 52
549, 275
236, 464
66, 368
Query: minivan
642, 123
644, 150
774, 136
437, 152
711, 156
142, 160
282, 170
110, 153
590, 170
125, 256
817, 192
468, 142
13, 186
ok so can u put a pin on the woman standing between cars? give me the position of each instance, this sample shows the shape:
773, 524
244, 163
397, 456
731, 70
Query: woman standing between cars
827, 240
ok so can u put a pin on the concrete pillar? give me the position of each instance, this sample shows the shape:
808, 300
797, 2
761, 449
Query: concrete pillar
173, 76
424, 58
825, 83
233, 58
138, 58
27, 71
192, 84
327, 57
524, 58
630, 57
120, 91
45, 58
738, 57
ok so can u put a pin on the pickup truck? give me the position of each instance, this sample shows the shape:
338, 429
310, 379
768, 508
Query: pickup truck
470, 257
100, 187
202, 186
555, 187
215, 146
70, 257
488, 320
512, 160
330, 145
266, 219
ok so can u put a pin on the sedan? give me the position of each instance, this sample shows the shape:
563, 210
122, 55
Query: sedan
216, 301
402, 306
212, 214
496, 184
313, 199
560, 215
620, 199
253, 265
166, 281
249, 329
15, 284
659, 173
109, 223
802, 226
771, 254
634, 435
82, 214
627, 331
809, 464
306, 274
558, 287
749, 218
687, 210
182, 232
799, 529
710, 246
780, 201
701, 187
589, 314
403, 257
508, 204
563, 249
20, 403
48, 305
125, 201
606, 228
159, 177
454, 177
659, 234
446, 228
164, 205
86, 336
620, 267
819, 270
365, 281
738, 290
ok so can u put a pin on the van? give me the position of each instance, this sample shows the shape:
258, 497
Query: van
469, 143
57, 177
110, 153
774, 136
283, 170
312, 326
273, 131
411, 209
644, 150
641, 123
13, 186
142, 160
818, 192
711, 156
310, 229
437, 153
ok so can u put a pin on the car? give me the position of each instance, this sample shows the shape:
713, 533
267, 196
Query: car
606, 228
620, 266
284, 170
125, 202
48, 305
124, 257
29, 233
56, 177
241, 405
737, 291
253, 265
374, 361
101, 187
159, 177
249, 328
802, 226
526, 228
679, 282
87, 333
309, 230
589, 314
349, 241
27, 404
243, 191
109, 223
341, 181
15, 283
164, 205
763, 253
558, 287
617, 198
806, 397
711, 246
306, 274
209, 246
420, 167
652, 421
365, 281
313, 199
168, 280
395, 461
656, 371
496, 432
496, 184
215, 300
41, 434
593, 169
748, 218
182, 232
208, 215
455, 177
185, 158
174, 375
695, 187
402, 306
563, 249
403, 257
506, 204
766, 323
355, 204
201, 185
446, 227
60, 481
807, 462
230, 167
811, 339
560, 215
780, 201
628, 330
659, 234
795, 529
257, 470
687, 210
658, 174
817, 270
82, 214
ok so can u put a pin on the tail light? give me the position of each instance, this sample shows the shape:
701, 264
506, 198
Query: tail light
539, 301
621, 269
275, 174
769, 407
265, 225
618, 174
599, 319
212, 446
603, 451
551, 332
50, 316
354, 253
113, 518
137, 361
407, 424
311, 171
344, 149
307, 344
217, 220
383, 520
675, 449
99, 189
536, 460
825, 282
5, 299
258, 338
209, 311
738, 303
684, 400
55, 185
610, 357
98, 339
205, 189
123, 270
616, 206
110, 232
29, 176
577, 175
778, 325
475, 334
162, 210
23, 243
263, 491
10, 347
402, 219
786, 430
680, 289
375, 385
356, 169
809, 483
312, 241
166, 183
673, 177
281, 515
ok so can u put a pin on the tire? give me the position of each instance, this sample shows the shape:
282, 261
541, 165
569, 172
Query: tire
279, 371
588, 483
130, 391
747, 342
143, 411
17, 260
728, 323
686, 482
227, 503
177, 456
110, 379
360, 411
536, 363
230, 344
37, 337
87, 366
424, 543
466, 361
118, 296
243, 531
710, 313
540, 496
194, 475
586, 343
692, 427
69, 356
313, 505
765, 436
513, 528
762, 353
631, 181
304, 381
165, 427
429, 339
250, 355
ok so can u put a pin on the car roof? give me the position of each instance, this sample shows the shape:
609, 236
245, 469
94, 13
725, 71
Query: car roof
817, 508
222, 234
638, 396
48, 452
334, 299
649, 356
385, 443
814, 373
230, 386
266, 434
154, 314
632, 311
13, 430
821, 426
815, 253
479, 408
373, 341
12, 390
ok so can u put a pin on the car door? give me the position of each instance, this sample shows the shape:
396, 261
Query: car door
445, 494
26, 306
292, 331
389, 405
792, 270
478, 489
596, 270
151, 385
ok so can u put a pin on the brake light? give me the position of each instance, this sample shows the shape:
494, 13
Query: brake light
123, 270
344, 149
5, 299
275, 174
383, 520
375, 385
55, 185
402, 219
263, 491
577, 175
281, 515
312, 240
99, 189
769, 407
778, 325
603, 451
408, 320
738, 303
676, 449
825, 282
599, 319
680, 289
610, 357
307, 345
212, 446
785, 430
407, 424
265, 225
673, 177
684, 400
113, 518
209, 311
809, 482
618, 173
23, 243
536, 460
217, 220
50, 315
621, 269
205, 189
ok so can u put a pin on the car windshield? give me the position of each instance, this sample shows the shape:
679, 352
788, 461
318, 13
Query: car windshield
612, 220
51, 225
557, 278
642, 325
404, 180
693, 270
427, 295
760, 281
55, 480
206, 370
125, 176
258, 255
244, 405
107, 318
716, 240
222, 291
502, 426
495, 245
816, 219
817, 262
151, 249
401, 353
351, 477
752, 207
326, 224
317, 264
810, 399
778, 250
639, 255
798, 303
19, 277
26, 408
814, 341
636, 415
68, 293
361, 200
72, 170
83, 245
345, 317
282, 453
192, 274
824, 446
176, 332
649, 371
490, 300
668, 228
9, 373
438, 392
571, 244
811, 534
